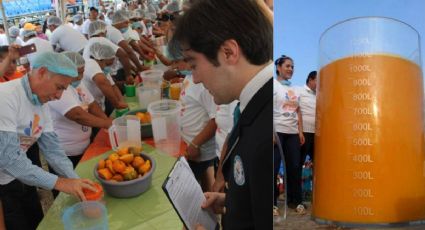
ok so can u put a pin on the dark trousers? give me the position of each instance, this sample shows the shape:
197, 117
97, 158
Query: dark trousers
308, 147
21, 206
74, 160
292, 153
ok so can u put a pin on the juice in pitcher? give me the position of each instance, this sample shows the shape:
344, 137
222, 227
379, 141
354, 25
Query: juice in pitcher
369, 153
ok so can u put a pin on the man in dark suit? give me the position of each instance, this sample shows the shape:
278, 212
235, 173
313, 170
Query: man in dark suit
229, 46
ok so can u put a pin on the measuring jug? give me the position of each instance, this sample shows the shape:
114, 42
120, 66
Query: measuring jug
125, 132
166, 125
369, 146
152, 78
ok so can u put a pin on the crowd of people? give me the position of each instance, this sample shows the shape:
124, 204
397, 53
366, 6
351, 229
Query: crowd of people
55, 99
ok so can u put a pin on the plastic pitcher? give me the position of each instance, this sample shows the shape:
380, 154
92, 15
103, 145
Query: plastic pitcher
87, 215
125, 132
147, 94
369, 146
152, 78
165, 116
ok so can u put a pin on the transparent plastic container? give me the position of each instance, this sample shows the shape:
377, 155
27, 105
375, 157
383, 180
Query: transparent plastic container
147, 94
369, 143
125, 132
87, 215
165, 115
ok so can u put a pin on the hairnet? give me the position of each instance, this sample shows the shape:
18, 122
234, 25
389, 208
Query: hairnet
96, 28
136, 25
53, 20
28, 33
119, 16
55, 63
101, 51
76, 18
140, 13
14, 31
75, 57
22, 21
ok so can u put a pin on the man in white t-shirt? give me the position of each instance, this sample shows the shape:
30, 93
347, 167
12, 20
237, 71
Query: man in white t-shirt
41, 45
197, 121
97, 76
93, 15
65, 36
25, 119
308, 114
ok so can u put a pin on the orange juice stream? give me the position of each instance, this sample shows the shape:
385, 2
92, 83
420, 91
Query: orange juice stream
369, 153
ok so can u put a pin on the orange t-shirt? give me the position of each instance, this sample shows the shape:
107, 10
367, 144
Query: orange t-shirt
14, 76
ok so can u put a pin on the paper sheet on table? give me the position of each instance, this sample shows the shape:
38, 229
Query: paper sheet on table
186, 195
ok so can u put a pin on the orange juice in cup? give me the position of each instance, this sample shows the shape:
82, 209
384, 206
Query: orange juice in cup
175, 89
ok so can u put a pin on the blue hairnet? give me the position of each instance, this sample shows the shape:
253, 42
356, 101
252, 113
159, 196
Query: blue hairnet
55, 63
75, 57
14, 31
136, 25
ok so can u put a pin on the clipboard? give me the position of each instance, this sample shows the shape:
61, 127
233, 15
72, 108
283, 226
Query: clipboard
186, 196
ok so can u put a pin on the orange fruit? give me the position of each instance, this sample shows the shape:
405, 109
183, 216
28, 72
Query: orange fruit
122, 151
129, 173
113, 157
108, 164
137, 161
127, 158
90, 195
144, 168
101, 164
105, 173
135, 150
117, 177
118, 166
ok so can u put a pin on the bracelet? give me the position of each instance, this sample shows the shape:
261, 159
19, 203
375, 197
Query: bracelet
196, 146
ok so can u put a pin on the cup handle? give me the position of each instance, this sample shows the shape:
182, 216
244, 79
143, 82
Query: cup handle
113, 139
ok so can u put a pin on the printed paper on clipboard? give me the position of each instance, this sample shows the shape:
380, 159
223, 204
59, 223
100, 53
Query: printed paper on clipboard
186, 196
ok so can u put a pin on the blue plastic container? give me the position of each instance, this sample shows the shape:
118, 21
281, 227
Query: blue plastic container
87, 215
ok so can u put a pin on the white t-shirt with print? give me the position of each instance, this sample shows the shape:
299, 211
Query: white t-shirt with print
91, 68
224, 121
41, 45
308, 108
114, 35
198, 109
73, 137
286, 101
20, 116
68, 38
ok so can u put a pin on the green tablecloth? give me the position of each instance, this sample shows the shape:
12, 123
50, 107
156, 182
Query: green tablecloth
150, 210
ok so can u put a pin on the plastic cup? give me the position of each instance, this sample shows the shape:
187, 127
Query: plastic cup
130, 90
165, 115
369, 140
147, 94
86, 215
152, 78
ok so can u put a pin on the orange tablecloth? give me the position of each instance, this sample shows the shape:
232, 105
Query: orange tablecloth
101, 145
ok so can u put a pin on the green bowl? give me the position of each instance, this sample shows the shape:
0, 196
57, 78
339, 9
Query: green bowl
145, 129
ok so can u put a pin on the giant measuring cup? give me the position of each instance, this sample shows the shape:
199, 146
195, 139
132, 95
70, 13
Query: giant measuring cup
369, 153
125, 132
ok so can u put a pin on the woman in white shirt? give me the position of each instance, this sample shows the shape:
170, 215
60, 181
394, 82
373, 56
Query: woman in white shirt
286, 114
